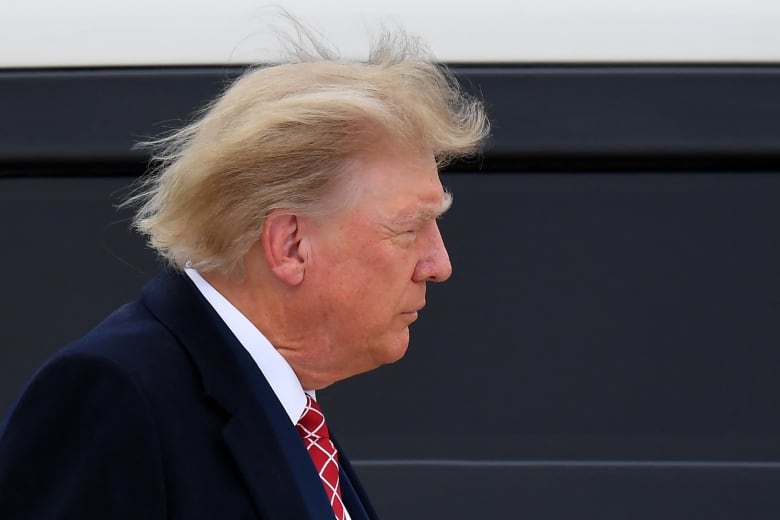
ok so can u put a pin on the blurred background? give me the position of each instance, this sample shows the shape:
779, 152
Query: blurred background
608, 346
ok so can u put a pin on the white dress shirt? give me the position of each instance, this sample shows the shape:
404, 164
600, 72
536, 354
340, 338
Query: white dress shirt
274, 367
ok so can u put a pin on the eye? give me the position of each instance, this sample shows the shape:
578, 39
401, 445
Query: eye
406, 236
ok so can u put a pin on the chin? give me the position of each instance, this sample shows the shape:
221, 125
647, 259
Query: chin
397, 355
395, 350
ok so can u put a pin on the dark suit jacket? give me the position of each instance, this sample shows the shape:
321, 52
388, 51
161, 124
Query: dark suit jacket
159, 413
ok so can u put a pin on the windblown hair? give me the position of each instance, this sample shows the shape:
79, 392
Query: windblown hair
282, 136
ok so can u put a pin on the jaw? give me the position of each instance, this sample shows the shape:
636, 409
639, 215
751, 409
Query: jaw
394, 347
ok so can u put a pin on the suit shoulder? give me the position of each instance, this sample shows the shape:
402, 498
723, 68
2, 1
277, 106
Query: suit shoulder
133, 341
82, 419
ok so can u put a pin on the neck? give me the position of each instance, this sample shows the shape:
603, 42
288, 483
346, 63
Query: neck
269, 306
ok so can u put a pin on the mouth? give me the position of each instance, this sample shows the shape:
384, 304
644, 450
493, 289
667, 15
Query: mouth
414, 313
416, 309
410, 317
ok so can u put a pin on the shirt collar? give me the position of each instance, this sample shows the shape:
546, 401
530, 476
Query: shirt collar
272, 365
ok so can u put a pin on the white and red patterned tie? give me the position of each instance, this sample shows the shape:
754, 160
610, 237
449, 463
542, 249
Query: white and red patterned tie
314, 432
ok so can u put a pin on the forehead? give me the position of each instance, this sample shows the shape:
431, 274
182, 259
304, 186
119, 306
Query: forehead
400, 179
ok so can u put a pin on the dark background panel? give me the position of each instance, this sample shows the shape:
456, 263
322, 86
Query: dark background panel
68, 259
97, 114
624, 110
552, 116
590, 492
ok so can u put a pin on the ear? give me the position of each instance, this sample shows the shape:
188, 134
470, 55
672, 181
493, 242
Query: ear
283, 247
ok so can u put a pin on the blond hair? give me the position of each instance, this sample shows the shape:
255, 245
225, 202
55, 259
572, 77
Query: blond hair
281, 137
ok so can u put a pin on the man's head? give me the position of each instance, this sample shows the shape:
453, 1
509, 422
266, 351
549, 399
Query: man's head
308, 194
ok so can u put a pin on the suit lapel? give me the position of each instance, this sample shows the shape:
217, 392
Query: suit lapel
258, 433
279, 480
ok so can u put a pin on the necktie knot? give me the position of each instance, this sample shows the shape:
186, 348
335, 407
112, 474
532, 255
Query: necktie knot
312, 425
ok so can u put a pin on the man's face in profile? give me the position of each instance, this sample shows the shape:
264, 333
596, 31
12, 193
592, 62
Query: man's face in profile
371, 261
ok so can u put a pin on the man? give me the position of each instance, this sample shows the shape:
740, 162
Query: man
298, 215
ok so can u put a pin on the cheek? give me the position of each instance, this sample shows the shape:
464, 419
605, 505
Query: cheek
391, 275
367, 278
375, 291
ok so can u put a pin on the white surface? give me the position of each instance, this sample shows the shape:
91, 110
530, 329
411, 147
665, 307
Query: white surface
35, 33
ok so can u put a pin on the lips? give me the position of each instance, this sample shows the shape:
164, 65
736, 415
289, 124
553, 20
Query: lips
416, 309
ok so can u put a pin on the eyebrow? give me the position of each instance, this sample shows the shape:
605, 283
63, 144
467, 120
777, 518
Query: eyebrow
425, 214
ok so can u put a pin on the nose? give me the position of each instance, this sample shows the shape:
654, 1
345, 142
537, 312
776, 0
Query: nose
434, 265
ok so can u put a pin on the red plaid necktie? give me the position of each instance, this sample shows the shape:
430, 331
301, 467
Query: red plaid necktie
314, 432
